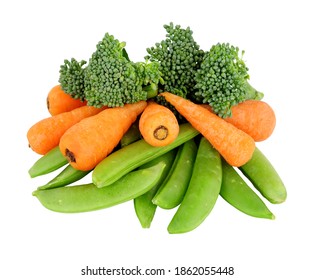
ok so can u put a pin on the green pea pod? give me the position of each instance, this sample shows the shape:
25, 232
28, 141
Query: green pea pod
134, 155
173, 189
264, 177
67, 176
49, 162
236, 192
202, 192
132, 135
144, 208
84, 198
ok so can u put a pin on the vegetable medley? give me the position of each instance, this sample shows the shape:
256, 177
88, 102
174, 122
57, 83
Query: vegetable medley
176, 130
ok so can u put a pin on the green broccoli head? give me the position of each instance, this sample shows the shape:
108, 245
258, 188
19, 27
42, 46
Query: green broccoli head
71, 78
222, 80
179, 57
111, 79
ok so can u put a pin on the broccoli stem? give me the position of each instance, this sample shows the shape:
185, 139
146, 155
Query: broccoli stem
151, 90
252, 93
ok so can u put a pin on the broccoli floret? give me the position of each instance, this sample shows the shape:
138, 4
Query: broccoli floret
111, 79
222, 80
179, 56
71, 78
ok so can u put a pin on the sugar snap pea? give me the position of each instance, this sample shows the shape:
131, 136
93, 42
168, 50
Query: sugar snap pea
87, 197
264, 177
173, 188
134, 155
132, 135
67, 176
202, 192
49, 162
239, 194
144, 208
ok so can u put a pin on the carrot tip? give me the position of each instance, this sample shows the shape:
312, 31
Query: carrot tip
160, 133
70, 156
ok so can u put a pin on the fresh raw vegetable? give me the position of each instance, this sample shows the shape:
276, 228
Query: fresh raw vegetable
202, 192
179, 57
49, 162
91, 140
45, 134
158, 125
255, 117
88, 197
265, 178
66, 177
233, 144
144, 208
222, 79
132, 135
59, 102
134, 155
111, 79
237, 193
173, 188
71, 78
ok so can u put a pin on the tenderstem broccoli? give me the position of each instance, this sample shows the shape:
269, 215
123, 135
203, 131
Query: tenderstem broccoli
222, 80
71, 78
111, 79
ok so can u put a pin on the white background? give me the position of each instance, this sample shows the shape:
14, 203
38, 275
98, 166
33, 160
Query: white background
278, 36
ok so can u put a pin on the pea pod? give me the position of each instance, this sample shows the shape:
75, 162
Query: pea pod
134, 155
49, 162
174, 187
144, 208
132, 135
202, 192
236, 192
264, 177
87, 197
67, 176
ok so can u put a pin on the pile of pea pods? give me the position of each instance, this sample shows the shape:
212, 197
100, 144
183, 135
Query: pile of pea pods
188, 174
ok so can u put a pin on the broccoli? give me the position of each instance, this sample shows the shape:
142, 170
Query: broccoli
179, 57
71, 78
222, 80
111, 79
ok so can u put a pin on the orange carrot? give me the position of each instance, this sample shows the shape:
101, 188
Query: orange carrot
59, 102
235, 146
158, 125
46, 134
91, 140
255, 117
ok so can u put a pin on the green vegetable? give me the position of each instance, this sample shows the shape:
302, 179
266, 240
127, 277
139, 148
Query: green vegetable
264, 177
179, 56
222, 80
132, 135
71, 78
67, 176
49, 162
143, 205
88, 197
173, 188
237, 193
134, 155
202, 192
111, 79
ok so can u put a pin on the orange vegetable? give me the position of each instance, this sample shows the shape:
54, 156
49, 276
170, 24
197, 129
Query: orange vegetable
158, 125
235, 146
91, 140
255, 117
46, 134
59, 102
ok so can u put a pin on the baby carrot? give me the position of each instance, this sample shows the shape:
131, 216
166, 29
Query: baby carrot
235, 146
45, 134
158, 125
59, 102
92, 139
254, 117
